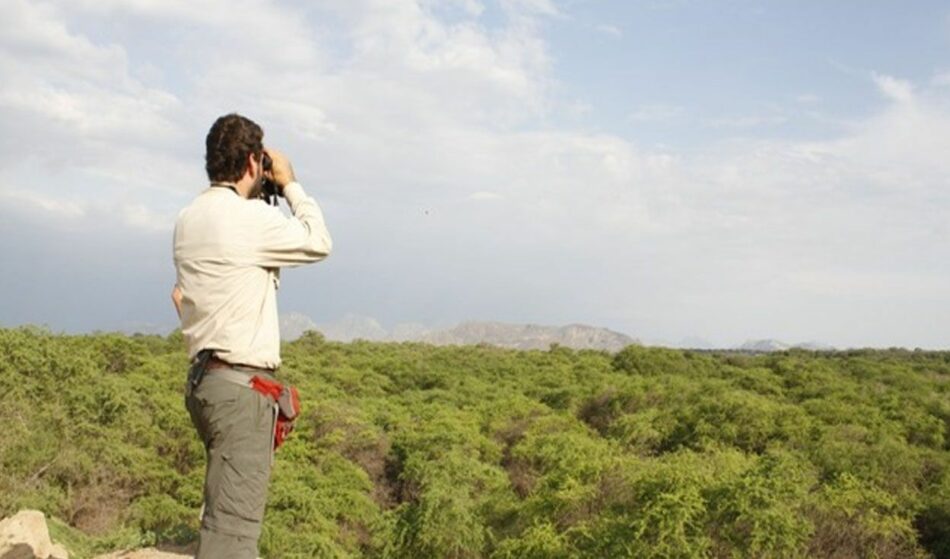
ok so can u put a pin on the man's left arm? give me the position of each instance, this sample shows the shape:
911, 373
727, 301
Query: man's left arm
280, 241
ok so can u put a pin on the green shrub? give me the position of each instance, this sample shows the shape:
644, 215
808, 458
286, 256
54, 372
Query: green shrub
408, 450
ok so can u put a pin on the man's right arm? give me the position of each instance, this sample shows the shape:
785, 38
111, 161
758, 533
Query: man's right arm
176, 299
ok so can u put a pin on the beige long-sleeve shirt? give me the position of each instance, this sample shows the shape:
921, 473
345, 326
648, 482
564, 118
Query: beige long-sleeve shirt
228, 252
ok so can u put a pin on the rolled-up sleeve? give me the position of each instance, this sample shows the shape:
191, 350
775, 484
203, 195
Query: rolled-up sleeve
283, 241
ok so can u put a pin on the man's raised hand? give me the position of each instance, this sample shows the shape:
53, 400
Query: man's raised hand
281, 170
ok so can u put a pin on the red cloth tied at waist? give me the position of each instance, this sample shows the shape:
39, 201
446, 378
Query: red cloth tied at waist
288, 405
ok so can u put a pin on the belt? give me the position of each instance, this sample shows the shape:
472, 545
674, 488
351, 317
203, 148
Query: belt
215, 363
233, 375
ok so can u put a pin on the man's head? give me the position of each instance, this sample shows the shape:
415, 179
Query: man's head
233, 150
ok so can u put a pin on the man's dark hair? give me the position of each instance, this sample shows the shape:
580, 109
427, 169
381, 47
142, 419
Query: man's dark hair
231, 139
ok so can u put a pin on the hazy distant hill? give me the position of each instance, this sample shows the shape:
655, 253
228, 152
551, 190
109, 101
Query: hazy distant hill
294, 324
694, 342
764, 345
531, 336
352, 327
775, 345
408, 331
519, 336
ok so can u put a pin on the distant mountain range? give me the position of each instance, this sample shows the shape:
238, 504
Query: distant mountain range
531, 336
517, 336
520, 336
775, 345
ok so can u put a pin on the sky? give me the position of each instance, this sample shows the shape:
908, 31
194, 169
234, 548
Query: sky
675, 170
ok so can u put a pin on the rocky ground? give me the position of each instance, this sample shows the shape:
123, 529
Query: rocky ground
26, 536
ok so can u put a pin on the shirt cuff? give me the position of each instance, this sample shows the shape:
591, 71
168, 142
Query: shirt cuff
293, 192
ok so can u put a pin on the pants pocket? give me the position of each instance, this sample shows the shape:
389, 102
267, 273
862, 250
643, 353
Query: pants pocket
243, 490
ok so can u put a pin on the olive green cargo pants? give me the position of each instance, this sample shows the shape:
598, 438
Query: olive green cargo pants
236, 425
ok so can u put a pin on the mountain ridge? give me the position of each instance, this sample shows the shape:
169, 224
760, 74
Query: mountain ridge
502, 334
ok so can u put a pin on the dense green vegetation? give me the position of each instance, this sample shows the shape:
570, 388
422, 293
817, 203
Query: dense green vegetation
415, 451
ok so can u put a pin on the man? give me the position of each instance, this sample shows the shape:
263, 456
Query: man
228, 248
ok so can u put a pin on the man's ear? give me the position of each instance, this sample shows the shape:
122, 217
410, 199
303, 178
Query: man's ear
251, 165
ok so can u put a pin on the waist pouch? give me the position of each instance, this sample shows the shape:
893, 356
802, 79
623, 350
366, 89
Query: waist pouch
288, 405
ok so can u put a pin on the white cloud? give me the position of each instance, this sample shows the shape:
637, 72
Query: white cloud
747, 121
279, 34
471, 7
894, 88
412, 84
876, 285
57, 207
485, 195
941, 79
611, 30
142, 217
74, 212
76, 123
530, 8
65, 77
651, 113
